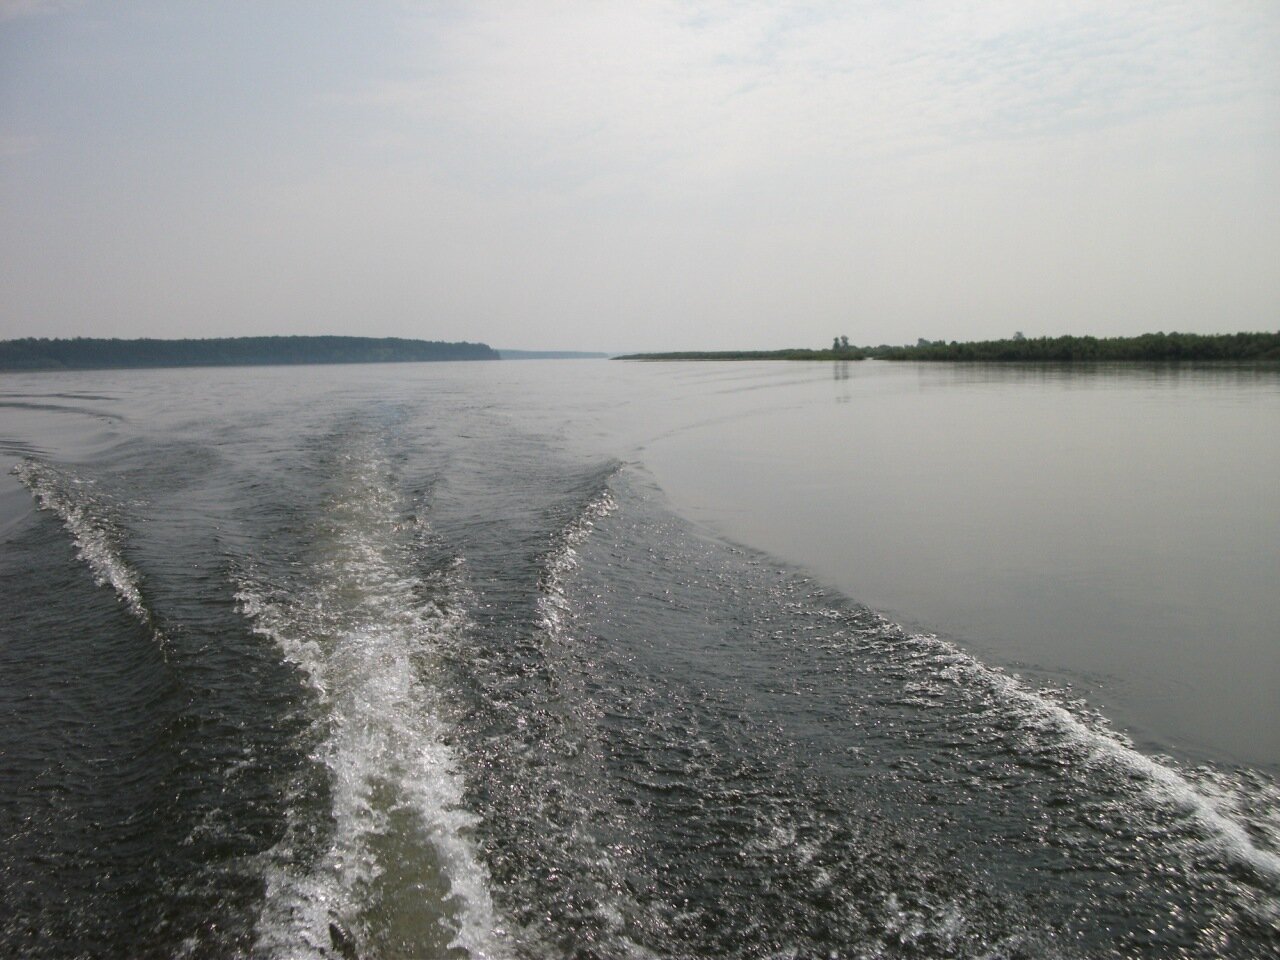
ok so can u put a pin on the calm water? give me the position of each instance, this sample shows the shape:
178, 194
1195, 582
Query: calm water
590, 659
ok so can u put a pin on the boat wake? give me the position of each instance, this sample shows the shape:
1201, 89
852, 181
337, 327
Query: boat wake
88, 515
364, 627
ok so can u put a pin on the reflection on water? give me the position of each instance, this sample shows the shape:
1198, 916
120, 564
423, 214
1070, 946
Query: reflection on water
1116, 527
1228, 376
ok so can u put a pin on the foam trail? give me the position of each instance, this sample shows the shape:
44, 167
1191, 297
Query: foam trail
552, 604
362, 635
554, 623
1163, 783
85, 516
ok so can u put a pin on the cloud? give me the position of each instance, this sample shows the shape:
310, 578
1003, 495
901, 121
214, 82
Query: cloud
15, 9
709, 96
16, 145
660, 174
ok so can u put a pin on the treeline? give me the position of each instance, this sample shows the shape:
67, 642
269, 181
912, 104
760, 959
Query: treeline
1148, 347
843, 353
88, 353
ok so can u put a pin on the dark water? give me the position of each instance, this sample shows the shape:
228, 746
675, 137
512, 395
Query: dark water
422, 662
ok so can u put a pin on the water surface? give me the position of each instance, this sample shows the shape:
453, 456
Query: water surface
593, 659
1112, 527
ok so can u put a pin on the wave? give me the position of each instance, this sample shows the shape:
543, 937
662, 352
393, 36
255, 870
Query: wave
563, 557
59, 408
596, 862
1221, 810
88, 516
906, 725
363, 628
562, 868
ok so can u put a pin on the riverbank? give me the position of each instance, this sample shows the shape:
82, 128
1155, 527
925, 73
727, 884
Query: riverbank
1149, 347
94, 353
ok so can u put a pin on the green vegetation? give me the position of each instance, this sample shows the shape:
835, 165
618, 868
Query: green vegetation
1211, 348
87, 353
1234, 347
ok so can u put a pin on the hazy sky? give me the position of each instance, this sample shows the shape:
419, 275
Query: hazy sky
641, 174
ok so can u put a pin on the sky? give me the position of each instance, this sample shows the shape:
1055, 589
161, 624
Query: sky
665, 174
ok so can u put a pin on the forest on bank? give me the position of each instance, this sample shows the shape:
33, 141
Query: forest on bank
1224, 347
92, 353
1067, 349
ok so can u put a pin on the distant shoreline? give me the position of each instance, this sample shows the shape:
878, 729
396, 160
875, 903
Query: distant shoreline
852, 353
92, 353
551, 354
1149, 347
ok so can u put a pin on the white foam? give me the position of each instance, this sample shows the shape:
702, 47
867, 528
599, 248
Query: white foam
83, 514
553, 606
362, 633
943, 923
552, 603
1211, 807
